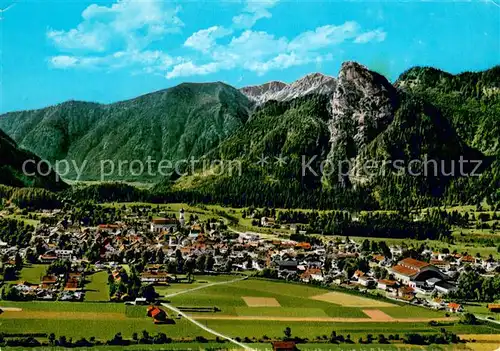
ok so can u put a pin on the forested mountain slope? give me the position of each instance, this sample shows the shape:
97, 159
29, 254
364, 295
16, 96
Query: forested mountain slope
364, 119
177, 123
470, 100
11, 168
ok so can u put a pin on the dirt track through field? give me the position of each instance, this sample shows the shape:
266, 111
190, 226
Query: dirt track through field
62, 315
10, 309
319, 319
494, 338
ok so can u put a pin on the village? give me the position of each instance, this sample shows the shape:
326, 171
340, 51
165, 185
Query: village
171, 247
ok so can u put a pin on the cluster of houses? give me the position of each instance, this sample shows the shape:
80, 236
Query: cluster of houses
163, 239
63, 287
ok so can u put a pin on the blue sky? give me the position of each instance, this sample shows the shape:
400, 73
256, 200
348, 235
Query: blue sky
105, 51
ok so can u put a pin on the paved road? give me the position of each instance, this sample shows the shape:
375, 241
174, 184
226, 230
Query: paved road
487, 320
195, 322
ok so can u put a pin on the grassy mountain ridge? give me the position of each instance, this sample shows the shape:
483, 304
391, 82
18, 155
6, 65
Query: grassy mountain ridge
176, 123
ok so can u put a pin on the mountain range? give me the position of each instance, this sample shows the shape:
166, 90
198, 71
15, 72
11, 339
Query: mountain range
357, 116
177, 123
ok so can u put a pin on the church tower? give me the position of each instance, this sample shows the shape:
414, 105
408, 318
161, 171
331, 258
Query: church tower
181, 217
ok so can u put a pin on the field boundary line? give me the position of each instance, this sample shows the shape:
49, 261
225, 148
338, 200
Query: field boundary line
200, 325
323, 319
211, 331
206, 286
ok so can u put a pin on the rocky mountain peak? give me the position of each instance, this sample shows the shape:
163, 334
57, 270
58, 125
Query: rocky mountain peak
362, 106
309, 84
364, 79
254, 92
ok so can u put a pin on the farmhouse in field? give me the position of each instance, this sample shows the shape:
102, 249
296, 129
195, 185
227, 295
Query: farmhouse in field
284, 346
454, 307
159, 316
494, 307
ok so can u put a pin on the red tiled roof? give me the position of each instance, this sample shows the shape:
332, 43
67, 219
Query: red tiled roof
413, 263
71, 285
438, 262
404, 270
164, 221
407, 290
454, 305
155, 311
304, 245
388, 282
49, 279
468, 258
310, 272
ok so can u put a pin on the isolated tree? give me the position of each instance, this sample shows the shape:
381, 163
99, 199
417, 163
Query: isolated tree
209, 262
200, 263
18, 261
288, 332
52, 338
148, 292
333, 336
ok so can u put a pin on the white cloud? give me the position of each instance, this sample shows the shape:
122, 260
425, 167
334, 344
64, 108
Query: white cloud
94, 39
204, 39
148, 61
130, 23
187, 69
377, 35
284, 61
254, 11
325, 36
260, 52
63, 61
119, 36
252, 44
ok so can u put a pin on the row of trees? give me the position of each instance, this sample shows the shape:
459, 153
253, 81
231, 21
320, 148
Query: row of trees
62, 341
14, 232
475, 287
444, 337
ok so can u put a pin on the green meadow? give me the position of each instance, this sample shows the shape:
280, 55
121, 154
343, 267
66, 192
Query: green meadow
97, 287
294, 300
33, 273
103, 320
45, 317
